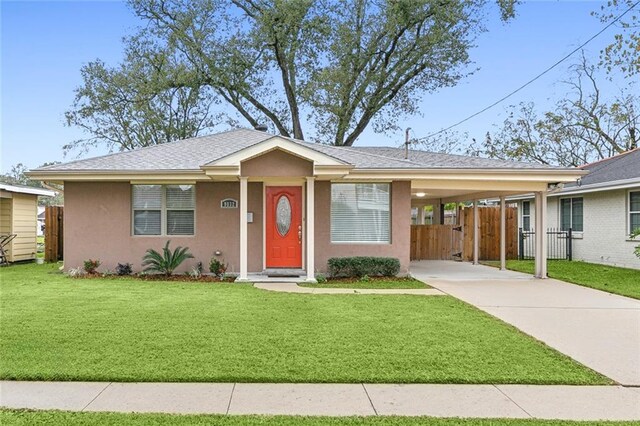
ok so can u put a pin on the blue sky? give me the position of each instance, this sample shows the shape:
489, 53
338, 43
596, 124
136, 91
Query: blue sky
44, 44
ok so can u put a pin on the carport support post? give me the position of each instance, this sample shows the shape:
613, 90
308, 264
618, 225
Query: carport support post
503, 240
243, 230
476, 236
311, 276
541, 235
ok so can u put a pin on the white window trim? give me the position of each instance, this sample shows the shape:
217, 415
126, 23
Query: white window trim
376, 243
630, 212
163, 213
575, 234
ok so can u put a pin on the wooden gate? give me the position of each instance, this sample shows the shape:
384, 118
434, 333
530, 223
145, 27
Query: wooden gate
435, 242
53, 233
453, 242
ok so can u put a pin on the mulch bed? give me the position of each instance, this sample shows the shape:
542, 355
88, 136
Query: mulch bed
157, 277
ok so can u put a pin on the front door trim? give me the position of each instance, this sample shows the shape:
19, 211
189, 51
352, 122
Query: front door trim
283, 183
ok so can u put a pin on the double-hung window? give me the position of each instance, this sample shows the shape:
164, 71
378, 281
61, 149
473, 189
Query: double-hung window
163, 209
360, 213
634, 211
526, 215
571, 214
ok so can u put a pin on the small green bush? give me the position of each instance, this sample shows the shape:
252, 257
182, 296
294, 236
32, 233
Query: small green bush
634, 234
217, 267
124, 269
167, 261
359, 266
90, 266
321, 278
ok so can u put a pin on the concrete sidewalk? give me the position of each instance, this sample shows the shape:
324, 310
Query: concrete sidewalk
598, 329
480, 401
294, 288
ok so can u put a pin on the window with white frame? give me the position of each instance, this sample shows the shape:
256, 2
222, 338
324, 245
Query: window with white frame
526, 215
634, 211
163, 209
360, 213
571, 214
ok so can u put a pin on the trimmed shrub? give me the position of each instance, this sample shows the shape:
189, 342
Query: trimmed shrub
91, 265
124, 269
360, 266
217, 267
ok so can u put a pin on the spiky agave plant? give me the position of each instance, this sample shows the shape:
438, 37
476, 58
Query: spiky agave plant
167, 262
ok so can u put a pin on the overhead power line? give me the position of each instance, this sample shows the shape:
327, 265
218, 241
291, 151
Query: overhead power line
533, 79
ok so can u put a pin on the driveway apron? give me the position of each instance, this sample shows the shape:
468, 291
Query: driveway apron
598, 329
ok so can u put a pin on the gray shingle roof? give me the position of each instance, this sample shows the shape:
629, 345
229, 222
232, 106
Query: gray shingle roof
620, 167
187, 154
190, 154
440, 160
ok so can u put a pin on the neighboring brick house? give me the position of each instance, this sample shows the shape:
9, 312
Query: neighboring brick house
602, 209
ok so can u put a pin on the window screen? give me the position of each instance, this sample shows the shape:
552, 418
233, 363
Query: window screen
360, 213
180, 206
634, 211
571, 215
526, 215
147, 209
171, 205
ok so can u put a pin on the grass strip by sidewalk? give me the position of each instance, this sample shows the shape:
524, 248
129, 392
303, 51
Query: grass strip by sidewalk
371, 283
622, 281
130, 330
27, 417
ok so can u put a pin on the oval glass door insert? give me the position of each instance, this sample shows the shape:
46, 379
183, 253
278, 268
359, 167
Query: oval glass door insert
283, 215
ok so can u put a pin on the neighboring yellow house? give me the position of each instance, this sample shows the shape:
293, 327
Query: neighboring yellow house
19, 216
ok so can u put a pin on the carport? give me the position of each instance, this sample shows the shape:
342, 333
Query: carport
471, 185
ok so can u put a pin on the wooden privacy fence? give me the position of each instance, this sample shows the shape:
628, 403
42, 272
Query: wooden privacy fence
53, 233
435, 242
451, 242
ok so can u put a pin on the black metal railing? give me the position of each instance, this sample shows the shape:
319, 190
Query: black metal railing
559, 244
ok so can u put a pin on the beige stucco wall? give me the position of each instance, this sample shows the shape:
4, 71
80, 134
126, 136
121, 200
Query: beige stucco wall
97, 224
277, 163
400, 229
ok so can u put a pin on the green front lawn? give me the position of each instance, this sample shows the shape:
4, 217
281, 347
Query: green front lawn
623, 281
24, 417
123, 329
376, 283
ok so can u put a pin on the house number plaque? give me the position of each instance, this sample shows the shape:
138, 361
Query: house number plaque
229, 203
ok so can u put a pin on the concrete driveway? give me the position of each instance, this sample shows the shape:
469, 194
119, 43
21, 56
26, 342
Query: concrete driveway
597, 329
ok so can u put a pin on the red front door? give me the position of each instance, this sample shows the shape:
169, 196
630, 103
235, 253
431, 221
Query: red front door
284, 226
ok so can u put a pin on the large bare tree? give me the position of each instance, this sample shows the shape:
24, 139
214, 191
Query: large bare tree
584, 126
138, 103
320, 70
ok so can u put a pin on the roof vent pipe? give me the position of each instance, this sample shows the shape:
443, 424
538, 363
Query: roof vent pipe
406, 143
261, 127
